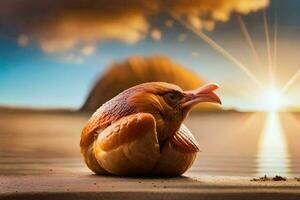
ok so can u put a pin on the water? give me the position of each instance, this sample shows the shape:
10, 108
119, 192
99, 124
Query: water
273, 155
233, 144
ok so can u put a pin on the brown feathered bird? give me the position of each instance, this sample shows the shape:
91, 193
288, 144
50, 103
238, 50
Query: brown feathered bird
140, 131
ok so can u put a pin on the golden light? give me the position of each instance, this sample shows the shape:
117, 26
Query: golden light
273, 154
271, 99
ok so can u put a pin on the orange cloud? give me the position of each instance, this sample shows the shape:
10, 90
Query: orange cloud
205, 13
74, 31
88, 50
61, 26
156, 34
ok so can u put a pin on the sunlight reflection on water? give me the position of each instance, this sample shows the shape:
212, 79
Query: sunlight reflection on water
273, 156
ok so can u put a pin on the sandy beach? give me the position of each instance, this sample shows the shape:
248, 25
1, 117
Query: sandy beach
235, 63
82, 185
40, 159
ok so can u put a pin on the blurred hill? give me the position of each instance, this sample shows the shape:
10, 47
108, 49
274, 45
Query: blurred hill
136, 70
32, 110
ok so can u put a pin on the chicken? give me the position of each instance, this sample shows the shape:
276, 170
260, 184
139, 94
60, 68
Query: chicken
140, 131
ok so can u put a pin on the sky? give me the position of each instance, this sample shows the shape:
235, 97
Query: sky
51, 54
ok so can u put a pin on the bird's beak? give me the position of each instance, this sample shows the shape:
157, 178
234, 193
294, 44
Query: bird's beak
202, 94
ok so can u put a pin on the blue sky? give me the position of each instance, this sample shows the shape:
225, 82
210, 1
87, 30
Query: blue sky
31, 77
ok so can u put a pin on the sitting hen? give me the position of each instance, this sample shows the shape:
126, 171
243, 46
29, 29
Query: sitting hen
140, 131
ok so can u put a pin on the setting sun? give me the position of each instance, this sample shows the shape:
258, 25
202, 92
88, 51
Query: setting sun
142, 99
271, 99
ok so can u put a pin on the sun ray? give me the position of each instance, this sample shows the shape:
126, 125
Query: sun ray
249, 40
239, 93
290, 82
273, 149
248, 122
266, 27
275, 43
217, 47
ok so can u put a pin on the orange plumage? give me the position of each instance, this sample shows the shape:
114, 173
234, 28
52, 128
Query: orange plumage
140, 131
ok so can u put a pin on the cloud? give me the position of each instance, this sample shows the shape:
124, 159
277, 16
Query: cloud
75, 31
64, 25
88, 50
205, 13
156, 34
60, 26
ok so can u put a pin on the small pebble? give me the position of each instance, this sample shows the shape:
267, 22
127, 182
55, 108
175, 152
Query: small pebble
265, 178
279, 178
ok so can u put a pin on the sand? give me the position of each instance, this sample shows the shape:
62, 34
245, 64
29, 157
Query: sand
39, 158
82, 185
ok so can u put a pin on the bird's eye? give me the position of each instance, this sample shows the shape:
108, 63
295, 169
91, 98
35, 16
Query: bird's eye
172, 97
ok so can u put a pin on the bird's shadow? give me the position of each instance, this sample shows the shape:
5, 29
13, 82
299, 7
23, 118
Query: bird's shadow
144, 177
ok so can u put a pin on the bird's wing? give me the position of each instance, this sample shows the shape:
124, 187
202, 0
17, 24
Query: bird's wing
177, 154
126, 130
129, 146
184, 140
103, 117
